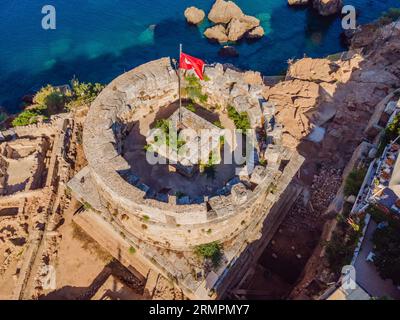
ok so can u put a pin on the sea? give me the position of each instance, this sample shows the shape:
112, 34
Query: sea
96, 40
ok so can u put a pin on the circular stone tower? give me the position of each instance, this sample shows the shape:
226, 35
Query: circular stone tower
139, 209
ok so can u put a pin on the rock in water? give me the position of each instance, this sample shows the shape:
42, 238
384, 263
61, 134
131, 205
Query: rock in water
194, 15
256, 33
298, 2
328, 7
236, 29
236, 24
224, 11
228, 51
216, 33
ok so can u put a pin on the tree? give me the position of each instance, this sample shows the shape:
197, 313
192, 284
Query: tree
212, 251
387, 252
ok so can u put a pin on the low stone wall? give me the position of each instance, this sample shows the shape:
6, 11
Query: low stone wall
129, 98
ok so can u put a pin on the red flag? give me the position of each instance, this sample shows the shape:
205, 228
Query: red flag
188, 62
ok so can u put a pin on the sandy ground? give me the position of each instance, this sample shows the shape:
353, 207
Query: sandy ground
7, 282
78, 263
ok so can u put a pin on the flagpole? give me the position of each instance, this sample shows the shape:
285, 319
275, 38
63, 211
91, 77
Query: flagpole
179, 81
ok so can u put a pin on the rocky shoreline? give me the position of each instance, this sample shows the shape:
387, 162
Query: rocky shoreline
324, 7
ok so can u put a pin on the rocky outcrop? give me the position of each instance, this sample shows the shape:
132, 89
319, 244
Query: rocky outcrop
339, 96
316, 70
224, 11
228, 51
232, 23
236, 29
298, 2
256, 33
328, 7
216, 33
194, 15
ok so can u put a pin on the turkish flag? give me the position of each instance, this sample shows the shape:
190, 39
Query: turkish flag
188, 62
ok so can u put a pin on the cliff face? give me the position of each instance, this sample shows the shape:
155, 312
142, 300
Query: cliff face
340, 93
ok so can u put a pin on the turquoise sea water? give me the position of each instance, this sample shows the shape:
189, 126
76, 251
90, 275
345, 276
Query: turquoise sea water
96, 40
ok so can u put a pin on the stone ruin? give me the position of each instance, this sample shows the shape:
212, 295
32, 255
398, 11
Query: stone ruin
162, 228
34, 168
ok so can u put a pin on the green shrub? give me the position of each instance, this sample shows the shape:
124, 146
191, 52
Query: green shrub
87, 206
194, 90
132, 250
218, 124
241, 120
83, 93
339, 252
190, 107
30, 116
388, 17
212, 251
354, 181
51, 98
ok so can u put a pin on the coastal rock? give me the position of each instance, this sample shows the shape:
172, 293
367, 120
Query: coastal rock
228, 51
224, 11
216, 33
253, 78
232, 23
317, 70
256, 33
194, 15
298, 2
236, 29
250, 21
328, 7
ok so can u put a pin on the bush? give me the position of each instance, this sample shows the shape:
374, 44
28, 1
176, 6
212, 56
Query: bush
193, 89
29, 116
212, 251
338, 252
241, 120
354, 181
218, 124
83, 93
50, 98
190, 107
87, 206
132, 250
388, 17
